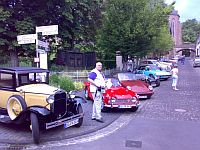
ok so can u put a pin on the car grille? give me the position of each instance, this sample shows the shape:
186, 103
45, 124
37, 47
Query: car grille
123, 101
59, 106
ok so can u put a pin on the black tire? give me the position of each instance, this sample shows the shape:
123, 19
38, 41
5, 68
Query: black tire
148, 97
35, 128
80, 120
103, 108
14, 101
157, 82
134, 109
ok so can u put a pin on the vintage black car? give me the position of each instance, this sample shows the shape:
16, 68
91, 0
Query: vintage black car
26, 97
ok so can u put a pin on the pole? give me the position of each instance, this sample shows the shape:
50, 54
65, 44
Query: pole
37, 54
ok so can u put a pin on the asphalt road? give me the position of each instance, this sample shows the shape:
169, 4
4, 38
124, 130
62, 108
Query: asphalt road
170, 120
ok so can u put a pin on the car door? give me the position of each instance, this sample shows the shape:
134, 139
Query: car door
7, 83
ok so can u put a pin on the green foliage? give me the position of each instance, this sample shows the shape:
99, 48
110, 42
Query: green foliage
130, 26
78, 86
63, 82
190, 30
77, 21
109, 64
54, 80
66, 83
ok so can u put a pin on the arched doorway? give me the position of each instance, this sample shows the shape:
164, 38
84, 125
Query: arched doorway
186, 52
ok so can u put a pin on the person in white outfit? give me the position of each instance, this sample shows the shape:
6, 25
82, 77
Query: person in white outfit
174, 73
97, 82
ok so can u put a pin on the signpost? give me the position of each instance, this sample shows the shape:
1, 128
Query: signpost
41, 47
48, 30
26, 39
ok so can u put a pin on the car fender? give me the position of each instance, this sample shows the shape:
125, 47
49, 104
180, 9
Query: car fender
39, 110
79, 100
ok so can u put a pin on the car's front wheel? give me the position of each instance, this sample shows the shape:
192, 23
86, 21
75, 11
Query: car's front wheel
80, 120
35, 128
134, 109
15, 106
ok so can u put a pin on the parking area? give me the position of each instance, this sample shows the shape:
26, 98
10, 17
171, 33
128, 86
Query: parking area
165, 104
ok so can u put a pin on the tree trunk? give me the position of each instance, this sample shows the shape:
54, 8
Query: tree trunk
14, 58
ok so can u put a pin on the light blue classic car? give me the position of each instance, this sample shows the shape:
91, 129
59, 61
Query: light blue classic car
152, 70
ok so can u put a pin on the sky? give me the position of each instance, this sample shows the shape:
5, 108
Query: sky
187, 9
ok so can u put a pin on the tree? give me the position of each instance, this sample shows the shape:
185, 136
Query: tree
190, 30
132, 26
77, 21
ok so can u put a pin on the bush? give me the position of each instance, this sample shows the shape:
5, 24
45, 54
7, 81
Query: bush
63, 82
66, 83
54, 80
78, 86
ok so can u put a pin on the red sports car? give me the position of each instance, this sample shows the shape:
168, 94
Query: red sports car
115, 95
130, 81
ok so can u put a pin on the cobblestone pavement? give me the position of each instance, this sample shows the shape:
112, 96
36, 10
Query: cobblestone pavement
165, 104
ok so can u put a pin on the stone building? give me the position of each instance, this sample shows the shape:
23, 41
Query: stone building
175, 29
197, 50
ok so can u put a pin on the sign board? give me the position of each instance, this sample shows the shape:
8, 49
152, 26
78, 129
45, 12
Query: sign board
26, 39
43, 44
48, 30
41, 51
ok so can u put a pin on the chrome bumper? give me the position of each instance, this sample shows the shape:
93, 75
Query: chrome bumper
63, 121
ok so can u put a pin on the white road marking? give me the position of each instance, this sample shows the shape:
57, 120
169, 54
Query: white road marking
122, 121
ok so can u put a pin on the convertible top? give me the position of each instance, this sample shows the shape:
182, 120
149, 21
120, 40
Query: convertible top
22, 69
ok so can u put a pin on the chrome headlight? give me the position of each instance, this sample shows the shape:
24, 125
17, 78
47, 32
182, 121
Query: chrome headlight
50, 99
113, 100
150, 88
134, 99
128, 87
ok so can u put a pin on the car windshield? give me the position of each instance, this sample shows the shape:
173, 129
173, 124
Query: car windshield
112, 82
153, 67
33, 78
126, 76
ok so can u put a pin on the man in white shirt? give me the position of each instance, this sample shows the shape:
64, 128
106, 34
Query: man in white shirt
97, 82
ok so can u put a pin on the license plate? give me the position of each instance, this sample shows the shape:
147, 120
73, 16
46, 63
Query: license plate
70, 123
124, 106
143, 96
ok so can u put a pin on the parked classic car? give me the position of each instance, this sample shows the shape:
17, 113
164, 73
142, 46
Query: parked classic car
130, 81
152, 80
115, 95
27, 97
196, 62
151, 70
161, 65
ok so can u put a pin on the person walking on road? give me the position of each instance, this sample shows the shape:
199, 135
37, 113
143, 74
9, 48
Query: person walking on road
174, 73
97, 83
